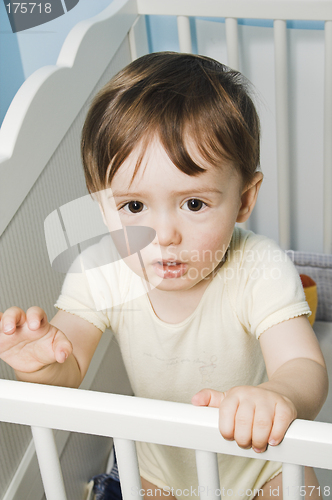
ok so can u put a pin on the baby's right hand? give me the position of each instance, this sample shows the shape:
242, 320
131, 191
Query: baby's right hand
28, 342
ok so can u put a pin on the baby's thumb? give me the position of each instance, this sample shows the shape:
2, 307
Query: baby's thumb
208, 397
62, 347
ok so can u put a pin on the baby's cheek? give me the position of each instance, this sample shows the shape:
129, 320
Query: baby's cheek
212, 249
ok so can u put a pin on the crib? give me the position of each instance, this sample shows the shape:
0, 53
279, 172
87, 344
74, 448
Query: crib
40, 171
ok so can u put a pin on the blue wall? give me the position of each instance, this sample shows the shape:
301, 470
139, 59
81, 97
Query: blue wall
24, 52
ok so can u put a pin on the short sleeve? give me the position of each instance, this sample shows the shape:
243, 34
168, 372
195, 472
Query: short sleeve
269, 288
76, 298
99, 284
87, 291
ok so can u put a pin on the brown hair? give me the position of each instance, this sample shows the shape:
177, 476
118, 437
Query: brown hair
175, 96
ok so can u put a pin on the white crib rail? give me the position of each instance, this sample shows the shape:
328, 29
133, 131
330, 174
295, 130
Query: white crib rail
130, 419
208, 474
184, 34
49, 464
328, 139
128, 468
282, 129
232, 41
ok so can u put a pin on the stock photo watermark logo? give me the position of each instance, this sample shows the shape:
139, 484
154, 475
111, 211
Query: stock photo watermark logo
25, 15
86, 236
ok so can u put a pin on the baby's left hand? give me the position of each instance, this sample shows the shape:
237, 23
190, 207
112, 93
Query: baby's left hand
253, 416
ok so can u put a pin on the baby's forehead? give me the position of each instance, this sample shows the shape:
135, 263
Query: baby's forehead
156, 154
156, 169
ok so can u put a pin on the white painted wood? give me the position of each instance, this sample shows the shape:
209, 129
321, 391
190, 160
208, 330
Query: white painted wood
232, 43
255, 9
128, 469
184, 34
24, 476
27, 482
306, 123
41, 112
208, 475
138, 39
297, 442
49, 464
162, 422
328, 140
282, 128
293, 484
233, 60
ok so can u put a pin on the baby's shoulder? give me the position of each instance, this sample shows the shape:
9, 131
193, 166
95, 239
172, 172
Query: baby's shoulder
248, 248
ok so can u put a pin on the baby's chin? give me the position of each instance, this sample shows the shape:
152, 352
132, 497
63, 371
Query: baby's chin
182, 284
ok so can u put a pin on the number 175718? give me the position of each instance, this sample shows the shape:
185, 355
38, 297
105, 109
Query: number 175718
28, 8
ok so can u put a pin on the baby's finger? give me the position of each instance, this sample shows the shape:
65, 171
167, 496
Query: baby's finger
284, 416
244, 422
13, 317
62, 347
36, 317
227, 413
261, 430
208, 397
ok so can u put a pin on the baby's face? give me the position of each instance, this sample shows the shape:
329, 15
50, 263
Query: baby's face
193, 216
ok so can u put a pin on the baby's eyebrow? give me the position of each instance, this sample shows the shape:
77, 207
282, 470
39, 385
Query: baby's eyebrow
200, 190
196, 190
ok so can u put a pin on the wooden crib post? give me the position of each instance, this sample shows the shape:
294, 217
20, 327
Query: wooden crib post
232, 43
184, 34
293, 482
128, 469
282, 128
208, 475
49, 464
327, 140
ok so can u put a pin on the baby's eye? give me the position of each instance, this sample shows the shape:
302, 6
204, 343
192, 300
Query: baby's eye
194, 205
134, 207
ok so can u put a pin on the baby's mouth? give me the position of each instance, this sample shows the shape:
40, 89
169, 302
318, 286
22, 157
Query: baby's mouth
168, 269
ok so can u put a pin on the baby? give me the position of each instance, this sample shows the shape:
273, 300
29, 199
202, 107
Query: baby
206, 312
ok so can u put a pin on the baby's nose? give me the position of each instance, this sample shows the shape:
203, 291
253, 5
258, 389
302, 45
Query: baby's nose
168, 232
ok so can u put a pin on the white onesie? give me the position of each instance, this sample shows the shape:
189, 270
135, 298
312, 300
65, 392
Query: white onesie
216, 347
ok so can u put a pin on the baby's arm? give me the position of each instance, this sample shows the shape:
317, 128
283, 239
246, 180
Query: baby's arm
56, 352
297, 388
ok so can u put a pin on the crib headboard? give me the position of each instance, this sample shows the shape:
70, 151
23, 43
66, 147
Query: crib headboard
48, 103
40, 171
40, 167
41, 113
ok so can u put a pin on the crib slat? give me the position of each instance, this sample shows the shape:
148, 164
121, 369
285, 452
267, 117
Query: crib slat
128, 469
282, 129
49, 464
184, 34
232, 43
208, 475
293, 482
328, 140
138, 40
233, 61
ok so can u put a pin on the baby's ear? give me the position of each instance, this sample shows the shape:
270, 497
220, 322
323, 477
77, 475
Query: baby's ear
249, 197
